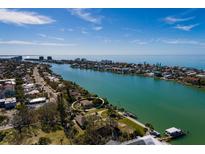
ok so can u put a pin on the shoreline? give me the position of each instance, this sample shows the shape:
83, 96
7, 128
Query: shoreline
186, 80
121, 113
162, 138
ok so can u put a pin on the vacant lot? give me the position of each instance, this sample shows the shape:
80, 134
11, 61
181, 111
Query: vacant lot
139, 129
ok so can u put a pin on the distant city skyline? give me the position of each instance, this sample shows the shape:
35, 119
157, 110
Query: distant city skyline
102, 32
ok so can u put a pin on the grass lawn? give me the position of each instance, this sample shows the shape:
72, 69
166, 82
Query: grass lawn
104, 114
95, 110
55, 137
3, 119
140, 130
34, 136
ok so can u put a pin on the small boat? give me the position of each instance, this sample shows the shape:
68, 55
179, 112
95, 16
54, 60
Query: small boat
129, 114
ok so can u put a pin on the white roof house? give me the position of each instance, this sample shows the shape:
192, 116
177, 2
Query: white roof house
2, 101
145, 140
172, 130
201, 75
37, 100
33, 92
8, 81
30, 85
10, 102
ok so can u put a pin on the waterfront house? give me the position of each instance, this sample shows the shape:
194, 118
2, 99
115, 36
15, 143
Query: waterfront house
53, 79
192, 80
86, 103
168, 76
150, 74
157, 74
174, 132
191, 73
201, 76
155, 133
80, 120
113, 142
145, 140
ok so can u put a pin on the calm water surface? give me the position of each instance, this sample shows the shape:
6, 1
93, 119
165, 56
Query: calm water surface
162, 103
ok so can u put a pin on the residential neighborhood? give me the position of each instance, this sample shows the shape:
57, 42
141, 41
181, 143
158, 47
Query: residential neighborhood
36, 90
184, 75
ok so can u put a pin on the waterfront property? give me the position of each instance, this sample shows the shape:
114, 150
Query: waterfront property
174, 132
145, 140
153, 101
86, 104
185, 75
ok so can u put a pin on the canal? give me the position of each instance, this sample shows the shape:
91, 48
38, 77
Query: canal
162, 103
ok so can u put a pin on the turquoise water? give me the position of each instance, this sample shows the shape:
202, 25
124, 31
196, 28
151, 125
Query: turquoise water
162, 103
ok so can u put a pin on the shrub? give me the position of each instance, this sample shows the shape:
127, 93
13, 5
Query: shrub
44, 141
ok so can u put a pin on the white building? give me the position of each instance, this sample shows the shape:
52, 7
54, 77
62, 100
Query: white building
145, 140
174, 132
10, 103
28, 87
37, 100
2, 102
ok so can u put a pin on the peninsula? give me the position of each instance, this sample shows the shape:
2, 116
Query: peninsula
184, 75
40, 107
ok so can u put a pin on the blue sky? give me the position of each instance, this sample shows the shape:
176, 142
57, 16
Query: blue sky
102, 31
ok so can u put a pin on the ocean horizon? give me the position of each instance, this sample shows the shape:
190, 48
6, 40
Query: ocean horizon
195, 61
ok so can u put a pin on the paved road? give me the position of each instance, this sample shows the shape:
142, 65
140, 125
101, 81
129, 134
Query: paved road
52, 95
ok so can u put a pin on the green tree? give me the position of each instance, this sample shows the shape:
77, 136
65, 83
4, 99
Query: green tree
23, 118
44, 141
49, 117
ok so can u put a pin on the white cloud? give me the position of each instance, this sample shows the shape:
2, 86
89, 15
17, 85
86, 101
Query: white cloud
86, 15
181, 41
62, 29
186, 27
23, 18
173, 20
42, 35
16, 42
51, 37
107, 41
20, 42
57, 38
83, 31
97, 28
70, 29
131, 29
139, 42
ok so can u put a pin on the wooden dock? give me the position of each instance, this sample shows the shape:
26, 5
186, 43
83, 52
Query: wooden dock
166, 138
